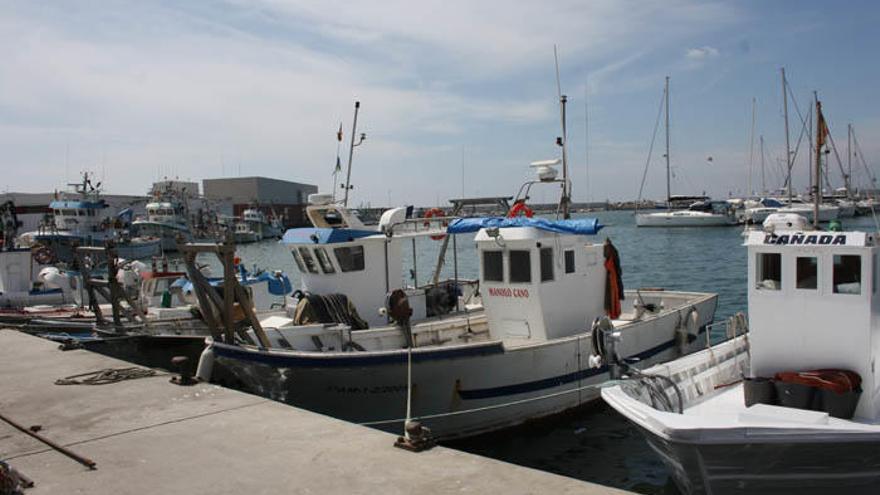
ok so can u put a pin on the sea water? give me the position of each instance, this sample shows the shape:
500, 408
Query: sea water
594, 444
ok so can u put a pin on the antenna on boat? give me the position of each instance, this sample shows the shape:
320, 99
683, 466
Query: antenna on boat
560, 141
347, 185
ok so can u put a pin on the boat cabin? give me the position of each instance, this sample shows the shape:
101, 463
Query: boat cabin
323, 212
165, 212
813, 303
527, 279
77, 215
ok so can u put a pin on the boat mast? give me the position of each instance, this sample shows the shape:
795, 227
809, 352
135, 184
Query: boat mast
787, 142
357, 105
566, 188
668, 172
817, 167
749, 191
848, 160
763, 182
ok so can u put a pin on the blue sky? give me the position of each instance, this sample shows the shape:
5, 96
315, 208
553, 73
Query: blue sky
138, 90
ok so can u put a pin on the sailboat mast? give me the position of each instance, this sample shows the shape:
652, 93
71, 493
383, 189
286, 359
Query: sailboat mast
668, 172
749, 191
787, 141
817, 167
763, 181
848, 160
357, 105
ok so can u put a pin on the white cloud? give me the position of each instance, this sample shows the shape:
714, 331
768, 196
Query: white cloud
701, 53
197, 88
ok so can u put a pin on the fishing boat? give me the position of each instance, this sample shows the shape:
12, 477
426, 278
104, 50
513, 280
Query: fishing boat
794, 405
700, 212
462, 357
166, 219
80, 219
244, 233
258, 222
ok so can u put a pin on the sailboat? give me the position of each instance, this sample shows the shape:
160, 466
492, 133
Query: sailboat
695, 211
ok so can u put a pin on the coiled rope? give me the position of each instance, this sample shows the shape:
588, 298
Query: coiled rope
105, 376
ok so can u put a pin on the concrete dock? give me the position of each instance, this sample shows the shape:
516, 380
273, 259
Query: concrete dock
149, 436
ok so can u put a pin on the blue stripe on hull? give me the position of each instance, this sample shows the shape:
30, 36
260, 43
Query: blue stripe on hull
291, 361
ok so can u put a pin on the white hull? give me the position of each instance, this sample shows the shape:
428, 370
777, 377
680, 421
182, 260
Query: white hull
826, 213
167, 233
716, 448
683, 218
758, 215
458, 390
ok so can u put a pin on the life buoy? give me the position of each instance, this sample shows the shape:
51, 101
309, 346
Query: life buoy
435, 212
43, 255
520, 207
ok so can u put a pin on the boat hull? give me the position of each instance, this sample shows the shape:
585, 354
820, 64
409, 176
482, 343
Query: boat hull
771, 467
167, 233
460, 390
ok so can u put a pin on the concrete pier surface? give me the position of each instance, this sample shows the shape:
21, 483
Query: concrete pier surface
148, 436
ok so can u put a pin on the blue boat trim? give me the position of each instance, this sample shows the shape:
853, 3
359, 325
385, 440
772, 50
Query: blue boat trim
356, 360
37, 292
62, 204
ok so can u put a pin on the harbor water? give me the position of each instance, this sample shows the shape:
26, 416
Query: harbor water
593, 444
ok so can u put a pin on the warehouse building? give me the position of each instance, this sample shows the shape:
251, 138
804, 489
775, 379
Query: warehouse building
272, 196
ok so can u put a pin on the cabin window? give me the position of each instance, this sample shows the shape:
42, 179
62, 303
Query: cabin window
546, 264
299, 262
807, 272
520, 267
493, 266
308, 260
769, 274
350, 259
569, 261
847, 274
324, 260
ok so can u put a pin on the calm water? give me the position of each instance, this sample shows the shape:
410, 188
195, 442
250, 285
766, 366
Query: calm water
596, 444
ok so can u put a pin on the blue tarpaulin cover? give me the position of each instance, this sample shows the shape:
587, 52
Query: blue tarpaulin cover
311, 235
578, 226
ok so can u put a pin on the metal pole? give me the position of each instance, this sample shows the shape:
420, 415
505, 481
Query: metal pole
668, 172
415, 265
455, 269
354, 124
749, 191
787, 142
848, 160
763, 181
818, 165
566, 193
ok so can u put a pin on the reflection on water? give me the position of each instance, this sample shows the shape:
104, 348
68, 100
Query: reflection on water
593, 444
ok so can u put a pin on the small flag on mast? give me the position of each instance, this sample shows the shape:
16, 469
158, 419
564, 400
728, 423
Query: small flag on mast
338, 165
822, 128
339, 133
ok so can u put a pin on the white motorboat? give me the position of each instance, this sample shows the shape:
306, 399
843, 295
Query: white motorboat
485, 354
756, 211
684, 218
798, 206
26, 282
807, 417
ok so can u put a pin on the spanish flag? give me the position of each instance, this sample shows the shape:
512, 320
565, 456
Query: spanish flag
339, 133
822, 127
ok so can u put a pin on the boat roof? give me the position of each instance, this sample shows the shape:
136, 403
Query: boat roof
576, 226
316, 235
65, 203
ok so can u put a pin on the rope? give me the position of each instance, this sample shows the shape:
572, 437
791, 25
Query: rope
105, 376
482, 409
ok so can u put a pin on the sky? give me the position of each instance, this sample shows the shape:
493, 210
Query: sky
457, 97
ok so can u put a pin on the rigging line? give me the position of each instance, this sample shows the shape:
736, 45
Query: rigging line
650, 151
837, 157
803, 129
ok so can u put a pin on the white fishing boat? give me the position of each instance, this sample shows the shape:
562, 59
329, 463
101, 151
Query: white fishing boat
244, 234
794, 405
166, 219
698, 213
258, 222
26, 282
513, 345
801, 284
80, 219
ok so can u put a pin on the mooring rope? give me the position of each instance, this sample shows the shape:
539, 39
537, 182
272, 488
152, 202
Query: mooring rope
105, 376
